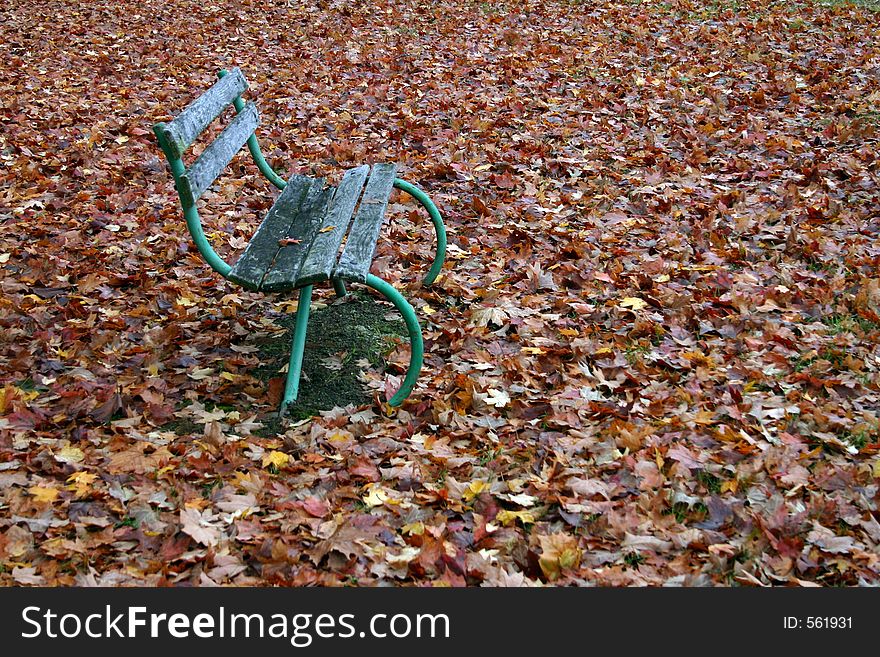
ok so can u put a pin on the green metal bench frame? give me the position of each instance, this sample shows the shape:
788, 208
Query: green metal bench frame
176, 136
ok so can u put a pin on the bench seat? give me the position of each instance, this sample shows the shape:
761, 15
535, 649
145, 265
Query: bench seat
298, 243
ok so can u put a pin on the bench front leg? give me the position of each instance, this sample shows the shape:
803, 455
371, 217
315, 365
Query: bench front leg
415, 336
436, 219
294, 368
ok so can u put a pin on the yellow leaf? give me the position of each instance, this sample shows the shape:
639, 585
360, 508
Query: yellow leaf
877, 468
243, 479
704, 417
507, 518
327, 229
413, 529
473, 489
428, 310
662, 278
82, 478
633, 302
27, 395
80, 483
70, 455
276, 458
228, 376
535, 351
569, 333
376, 495
185, 301
43, 494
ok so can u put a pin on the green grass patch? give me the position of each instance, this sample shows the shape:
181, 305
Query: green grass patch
183, 427
839, 323
710, 481
859, 439
340, 336
633, 559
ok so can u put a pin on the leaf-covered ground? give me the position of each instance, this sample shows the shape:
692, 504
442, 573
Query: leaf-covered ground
652, 357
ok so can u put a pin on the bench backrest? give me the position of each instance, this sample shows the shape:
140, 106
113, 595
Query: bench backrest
178, 135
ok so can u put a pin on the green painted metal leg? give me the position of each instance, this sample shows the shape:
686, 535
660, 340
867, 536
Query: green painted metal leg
436, 219
294, 369
339, 287
415, 336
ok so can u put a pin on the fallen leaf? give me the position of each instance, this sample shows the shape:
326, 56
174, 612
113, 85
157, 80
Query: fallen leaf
276, 459
634, 303
43, 494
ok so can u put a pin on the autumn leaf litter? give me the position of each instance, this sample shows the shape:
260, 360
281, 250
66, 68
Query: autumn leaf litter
651, 359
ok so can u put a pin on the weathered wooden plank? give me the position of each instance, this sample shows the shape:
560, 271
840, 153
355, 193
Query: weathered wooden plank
215, 157
183, 131
322, 255
301, 232
263, 247
354, 263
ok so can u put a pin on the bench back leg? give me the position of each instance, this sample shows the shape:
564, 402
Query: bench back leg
339, 287
436, 219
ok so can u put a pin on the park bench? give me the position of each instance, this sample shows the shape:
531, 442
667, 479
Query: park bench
313, 232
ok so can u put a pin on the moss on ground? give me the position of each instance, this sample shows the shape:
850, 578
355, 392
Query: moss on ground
339, 335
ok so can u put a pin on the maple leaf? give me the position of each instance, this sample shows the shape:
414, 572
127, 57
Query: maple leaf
413, 529
200, 373
28, 576
80, 483
316, 507
827, 541
70, 454
18, 542
238, 505
497, 398
558, 552
473, 489
634, 303
375, 495
486, 316
276, 459
43, 494
506, 517
199, 526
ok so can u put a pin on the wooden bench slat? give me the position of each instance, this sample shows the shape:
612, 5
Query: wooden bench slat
357, 256
304, 227
263, 247
322, 255
189, 124
215, 157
